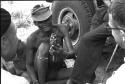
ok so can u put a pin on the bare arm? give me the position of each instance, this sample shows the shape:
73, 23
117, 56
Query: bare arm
42, 62
69, 46
30, 61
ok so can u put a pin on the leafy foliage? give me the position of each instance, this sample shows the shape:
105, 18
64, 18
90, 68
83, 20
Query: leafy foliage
21, 19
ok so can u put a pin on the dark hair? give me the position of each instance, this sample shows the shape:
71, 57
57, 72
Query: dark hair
5, 20
118, 13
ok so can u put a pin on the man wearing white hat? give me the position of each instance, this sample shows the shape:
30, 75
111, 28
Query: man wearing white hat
47, 65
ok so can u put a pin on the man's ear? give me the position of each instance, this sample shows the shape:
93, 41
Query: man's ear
4, 42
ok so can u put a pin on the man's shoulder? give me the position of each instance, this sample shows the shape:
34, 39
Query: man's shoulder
36, 38
33, 35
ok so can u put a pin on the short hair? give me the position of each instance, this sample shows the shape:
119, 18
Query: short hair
5, 20
118, 13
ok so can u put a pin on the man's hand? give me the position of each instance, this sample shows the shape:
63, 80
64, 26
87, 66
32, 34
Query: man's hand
57, 51
64, 29
119, 37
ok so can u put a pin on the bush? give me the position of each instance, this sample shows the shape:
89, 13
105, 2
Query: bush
21, 19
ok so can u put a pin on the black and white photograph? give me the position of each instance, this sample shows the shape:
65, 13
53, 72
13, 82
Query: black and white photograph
62, 41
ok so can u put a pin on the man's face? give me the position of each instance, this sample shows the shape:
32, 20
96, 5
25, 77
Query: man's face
119, 35
9, 43
44, 26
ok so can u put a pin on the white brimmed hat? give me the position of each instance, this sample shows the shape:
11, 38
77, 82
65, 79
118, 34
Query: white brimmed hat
40, 13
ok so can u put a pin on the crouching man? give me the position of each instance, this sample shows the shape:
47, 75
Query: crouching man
45, 55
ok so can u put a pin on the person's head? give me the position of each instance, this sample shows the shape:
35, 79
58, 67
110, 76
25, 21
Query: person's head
42, 17
9, 39
117, 20
44, 25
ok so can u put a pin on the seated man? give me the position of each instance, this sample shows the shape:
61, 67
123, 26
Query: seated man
9, 44
45, 55
92, 43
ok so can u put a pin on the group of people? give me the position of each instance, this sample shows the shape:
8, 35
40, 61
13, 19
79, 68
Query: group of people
41, 59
